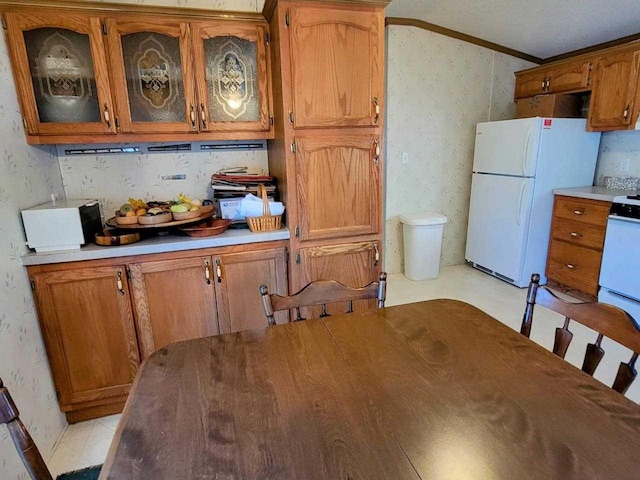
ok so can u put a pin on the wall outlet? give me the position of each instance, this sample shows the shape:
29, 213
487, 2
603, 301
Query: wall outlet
624, 164
405, 158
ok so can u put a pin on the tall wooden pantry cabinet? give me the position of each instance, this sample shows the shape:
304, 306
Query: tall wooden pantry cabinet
328, 89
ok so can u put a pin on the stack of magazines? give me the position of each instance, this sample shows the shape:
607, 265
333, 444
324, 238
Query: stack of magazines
238, 182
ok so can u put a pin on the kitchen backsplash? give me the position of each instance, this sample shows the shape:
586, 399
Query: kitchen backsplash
615, 147
113, 178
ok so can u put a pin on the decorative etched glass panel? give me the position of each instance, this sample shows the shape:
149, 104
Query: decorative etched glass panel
63, 76
232, 79
154, 77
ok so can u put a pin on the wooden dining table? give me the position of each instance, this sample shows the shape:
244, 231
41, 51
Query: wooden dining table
429, 390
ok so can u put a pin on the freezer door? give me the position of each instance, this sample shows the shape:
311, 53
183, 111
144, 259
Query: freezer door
508, 148
498, 224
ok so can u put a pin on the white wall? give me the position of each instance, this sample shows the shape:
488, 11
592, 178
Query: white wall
28, 175
438, 89
614, 147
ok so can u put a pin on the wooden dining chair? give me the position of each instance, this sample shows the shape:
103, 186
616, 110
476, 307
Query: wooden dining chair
605, 319
322, 292
27, 449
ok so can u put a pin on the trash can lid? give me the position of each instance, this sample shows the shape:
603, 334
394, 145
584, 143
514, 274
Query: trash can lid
428, 218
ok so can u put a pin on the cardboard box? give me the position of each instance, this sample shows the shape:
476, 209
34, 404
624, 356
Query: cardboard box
556, 106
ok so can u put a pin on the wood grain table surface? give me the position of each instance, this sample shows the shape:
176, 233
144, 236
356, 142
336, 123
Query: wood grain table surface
430, 390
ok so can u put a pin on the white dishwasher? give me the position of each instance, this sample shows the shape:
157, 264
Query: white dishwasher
620, 271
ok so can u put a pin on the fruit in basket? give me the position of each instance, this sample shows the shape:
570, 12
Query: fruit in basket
180, 208
155, 211
196, 203
130, 213
137, 204
194, 208
184, 199
125, 209
141, 211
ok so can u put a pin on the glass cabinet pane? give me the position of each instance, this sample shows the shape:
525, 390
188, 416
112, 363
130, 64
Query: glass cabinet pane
232, 80
63, 75
154, 77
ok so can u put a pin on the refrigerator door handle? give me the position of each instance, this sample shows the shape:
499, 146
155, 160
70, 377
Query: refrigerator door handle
519, 213
525, 155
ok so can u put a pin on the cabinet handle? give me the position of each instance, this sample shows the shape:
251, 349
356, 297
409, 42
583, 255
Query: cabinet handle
207, 273
376, 107
107, 116
193, 116
579, 212
376, 151
203, 116
548, 84
377, 254
576, 235
119, 283
625, 114
571, 266
218, 271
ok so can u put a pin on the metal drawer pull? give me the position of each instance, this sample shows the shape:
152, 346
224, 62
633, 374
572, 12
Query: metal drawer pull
218, 271
107, 116
119, 283
203, 116
579, 212
192, 115
571, 267
207, 273
576, 234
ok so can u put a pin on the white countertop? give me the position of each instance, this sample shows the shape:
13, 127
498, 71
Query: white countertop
160, 244
593, 193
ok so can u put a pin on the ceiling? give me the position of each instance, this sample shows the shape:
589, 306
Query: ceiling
542, 28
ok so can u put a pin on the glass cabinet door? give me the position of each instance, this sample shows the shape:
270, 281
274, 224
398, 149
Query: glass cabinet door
61, 73
153, 76
232, 71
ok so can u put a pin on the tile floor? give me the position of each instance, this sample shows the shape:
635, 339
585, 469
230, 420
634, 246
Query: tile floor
86, 444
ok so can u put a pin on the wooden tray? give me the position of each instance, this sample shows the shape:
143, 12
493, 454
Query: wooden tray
136, 226
109, 238
207, 229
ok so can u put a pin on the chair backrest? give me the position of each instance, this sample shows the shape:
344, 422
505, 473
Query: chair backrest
322, 292
607, 320
27, 449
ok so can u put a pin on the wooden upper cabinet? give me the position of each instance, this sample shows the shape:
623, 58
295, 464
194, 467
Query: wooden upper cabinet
61, 75
89, 332
614, 91
574, 76
238, 279
530, 84
338, 181
353, 264
232, 72
174, 300
336, 66
153, 76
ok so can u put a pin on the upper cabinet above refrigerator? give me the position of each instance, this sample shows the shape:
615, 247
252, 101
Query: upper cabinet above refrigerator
61, 73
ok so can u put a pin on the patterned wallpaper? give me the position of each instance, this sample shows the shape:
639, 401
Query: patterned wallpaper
438, 89
29, 175
615, 146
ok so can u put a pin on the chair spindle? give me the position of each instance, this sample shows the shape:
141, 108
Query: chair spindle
593, 356
563, 339
324, 313
350, 309
626, 375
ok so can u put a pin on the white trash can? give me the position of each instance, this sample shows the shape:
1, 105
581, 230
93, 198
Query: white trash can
422, 245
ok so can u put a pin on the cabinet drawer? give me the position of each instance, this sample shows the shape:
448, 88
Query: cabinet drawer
582, 234
592, 212
574, 266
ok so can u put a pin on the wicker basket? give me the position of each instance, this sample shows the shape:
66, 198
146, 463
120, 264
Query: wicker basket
267, 222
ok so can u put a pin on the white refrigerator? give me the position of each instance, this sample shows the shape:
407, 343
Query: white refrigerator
517, 165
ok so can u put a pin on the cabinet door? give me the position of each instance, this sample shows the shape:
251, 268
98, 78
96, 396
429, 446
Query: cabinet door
61, 75
89, 333
233, 76
614, 89
336, 66
153, 75
354, 265
530, 84
238, 280
338, 181
572, 77
174, 301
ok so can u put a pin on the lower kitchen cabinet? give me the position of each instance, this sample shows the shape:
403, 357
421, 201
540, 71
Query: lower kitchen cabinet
174, 300
353, 264
238, 280
87, 323
99, 318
